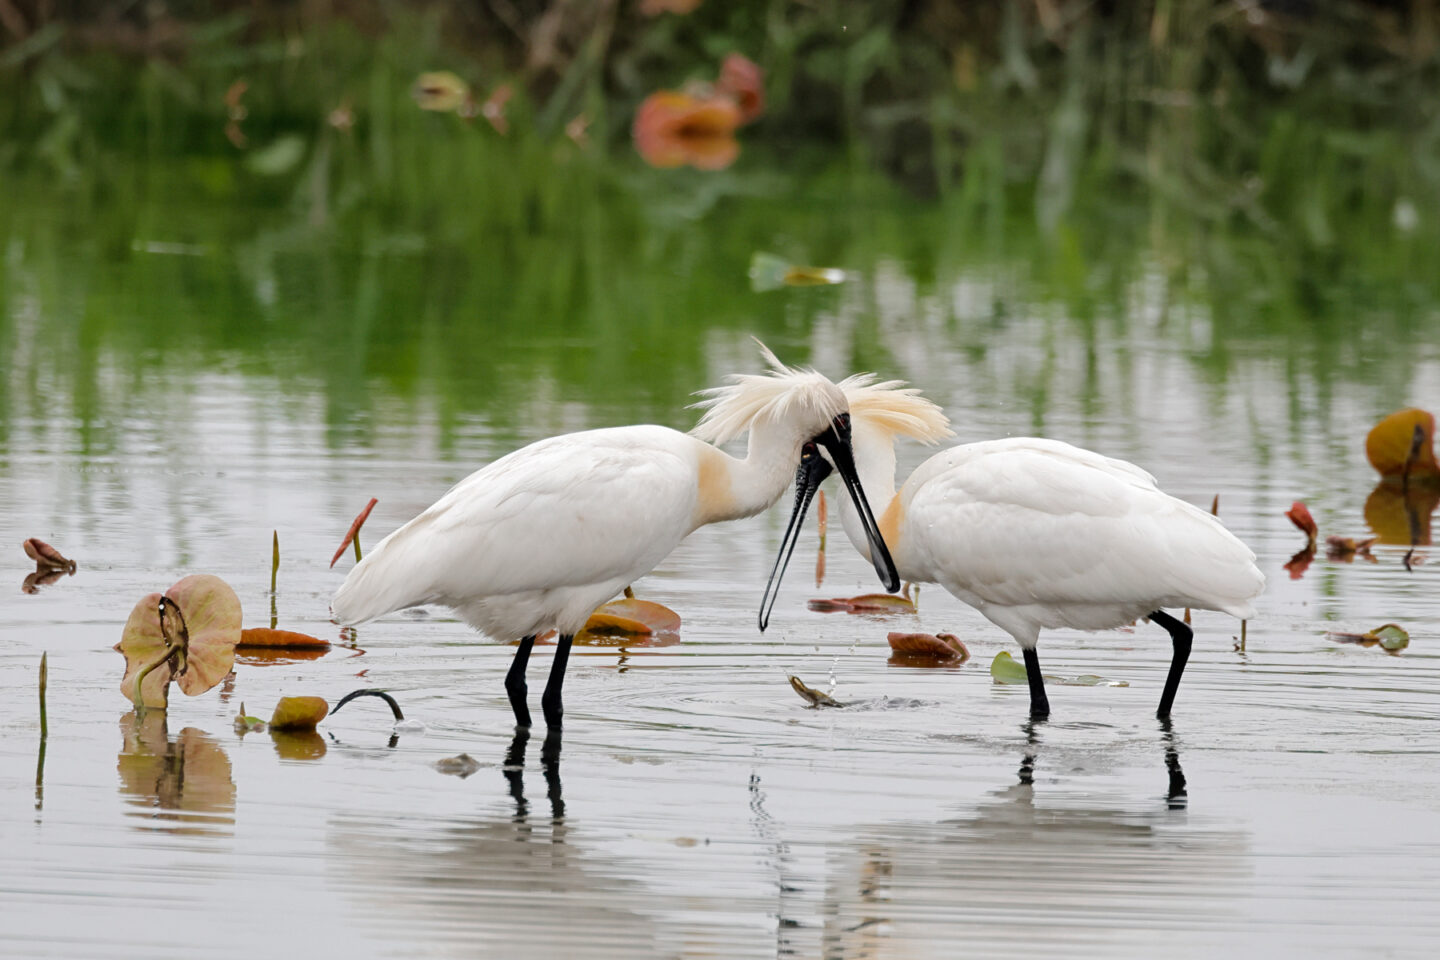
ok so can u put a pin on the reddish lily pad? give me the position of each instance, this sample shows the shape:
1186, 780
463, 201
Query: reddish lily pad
935, 647
1346, 549
1299, 515
208, 629
47, 557
298, 713
871, 603
354, 532
1403, 445
267, 637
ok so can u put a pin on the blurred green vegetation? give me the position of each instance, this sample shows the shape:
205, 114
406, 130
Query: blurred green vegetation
1273, 168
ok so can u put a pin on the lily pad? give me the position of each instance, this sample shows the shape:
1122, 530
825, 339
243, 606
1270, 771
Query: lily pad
209, 628
868, 603
816, 698
631, 617
47, 557
1006, 669
1299, 514
247, 724
928, 646
1391, 637
298, 713
461, 766
267, 637
1403, 445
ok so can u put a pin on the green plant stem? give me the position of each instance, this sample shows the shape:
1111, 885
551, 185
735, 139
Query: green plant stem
139, 698
44, 682
357, 544
274, 560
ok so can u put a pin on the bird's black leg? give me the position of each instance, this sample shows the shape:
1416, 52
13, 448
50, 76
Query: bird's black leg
550, 700
1180, 637
1039, 703
515, 682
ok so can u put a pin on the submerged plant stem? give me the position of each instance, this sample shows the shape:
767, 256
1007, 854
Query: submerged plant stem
139, 698
44, 682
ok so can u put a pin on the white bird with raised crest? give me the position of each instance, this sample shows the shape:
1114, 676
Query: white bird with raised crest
541, 537
1038, 534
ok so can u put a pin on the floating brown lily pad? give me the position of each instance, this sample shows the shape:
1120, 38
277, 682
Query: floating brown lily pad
1346, 549
298, 713
816, 698
871, 603
268, 637
1403, 445
47, 557
927, 647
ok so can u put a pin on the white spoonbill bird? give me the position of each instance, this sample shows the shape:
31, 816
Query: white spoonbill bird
1038, 534
539, 538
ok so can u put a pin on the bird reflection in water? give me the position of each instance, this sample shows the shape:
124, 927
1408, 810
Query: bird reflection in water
514, 769
1028, 859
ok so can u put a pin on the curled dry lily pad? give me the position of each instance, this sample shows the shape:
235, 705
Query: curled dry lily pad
934, 647
1391, 637
816, 698
630, 617
298, 713
1346, 549
353, 534
195, 645
1299, 515
1403, 445
461, 766
47, 557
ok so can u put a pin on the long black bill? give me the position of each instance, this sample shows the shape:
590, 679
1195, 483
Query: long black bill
812, 471
836, 442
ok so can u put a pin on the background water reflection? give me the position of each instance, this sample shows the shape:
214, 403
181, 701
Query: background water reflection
162, 413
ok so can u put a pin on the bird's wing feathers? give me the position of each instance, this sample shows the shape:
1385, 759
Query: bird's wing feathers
1042, 522
576, 509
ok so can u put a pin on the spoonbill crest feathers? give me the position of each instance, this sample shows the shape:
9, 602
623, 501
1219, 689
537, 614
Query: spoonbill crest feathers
785, 393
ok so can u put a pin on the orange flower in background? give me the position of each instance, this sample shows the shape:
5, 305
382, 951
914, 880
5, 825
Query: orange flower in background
653, 8
675, 129
743, 80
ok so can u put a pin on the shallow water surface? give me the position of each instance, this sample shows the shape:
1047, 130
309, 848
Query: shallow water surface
695, 806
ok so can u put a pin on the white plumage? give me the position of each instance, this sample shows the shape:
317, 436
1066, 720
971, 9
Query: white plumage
539, 538
1038, 534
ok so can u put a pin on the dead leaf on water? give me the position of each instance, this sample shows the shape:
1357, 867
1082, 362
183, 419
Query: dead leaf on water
869, 603
298, 713
816, 698
933, 648
1346, 549
461, 766
1403, 445
267, 637
352, 535
1391, 637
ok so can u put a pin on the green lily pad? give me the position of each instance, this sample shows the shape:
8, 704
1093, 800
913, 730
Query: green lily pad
1006, 669
1391, 636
